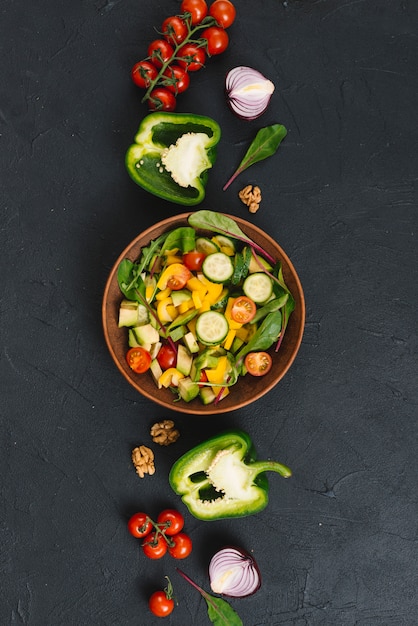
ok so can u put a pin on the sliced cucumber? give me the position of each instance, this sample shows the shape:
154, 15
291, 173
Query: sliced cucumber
211, 328
225, 242
218, 267
206, 245
258, 287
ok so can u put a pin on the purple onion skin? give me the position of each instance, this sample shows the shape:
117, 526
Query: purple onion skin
254, 564
229, 100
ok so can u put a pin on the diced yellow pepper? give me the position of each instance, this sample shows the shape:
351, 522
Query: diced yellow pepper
217, 374
196, 299
162, 295
192, 326
232, 323
185, 306
242, 333
170, 259
220, 392
194, 284
206, 304
229, 339
170, 377
149, 292
166, 311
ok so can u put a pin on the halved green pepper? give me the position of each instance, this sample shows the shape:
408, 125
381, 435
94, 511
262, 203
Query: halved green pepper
220, 478
172, 154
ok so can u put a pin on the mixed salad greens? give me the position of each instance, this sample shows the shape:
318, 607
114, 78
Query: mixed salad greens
203, 304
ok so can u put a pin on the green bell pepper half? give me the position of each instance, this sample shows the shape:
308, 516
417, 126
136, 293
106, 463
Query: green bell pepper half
191, 141
221, 478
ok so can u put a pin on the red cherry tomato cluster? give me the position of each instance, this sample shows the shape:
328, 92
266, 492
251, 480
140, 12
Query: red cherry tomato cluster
161, 536
186, 41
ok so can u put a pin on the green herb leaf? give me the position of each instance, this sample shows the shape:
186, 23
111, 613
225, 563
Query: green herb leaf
265, 144
130, 281
182, 238
264, 337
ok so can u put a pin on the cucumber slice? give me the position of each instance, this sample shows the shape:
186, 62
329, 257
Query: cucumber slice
258, 287
218, 267
211, 328
206, 245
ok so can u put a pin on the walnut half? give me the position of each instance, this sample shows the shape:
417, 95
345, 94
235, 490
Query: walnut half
164, 433
143, 460
251, 196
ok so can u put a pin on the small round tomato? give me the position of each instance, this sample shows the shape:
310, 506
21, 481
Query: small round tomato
155, 547
170, 521
161, 603
174, 29
193, 260
177, 276
176, 79
160, 52
191, 57
224, 12
182, 546
198, 10
139, 525
166, 357
243, 310
217, 40
258, 363
143, 73
138, 359
161, 99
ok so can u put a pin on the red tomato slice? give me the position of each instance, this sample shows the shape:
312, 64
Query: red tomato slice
179, 276
258, 363
138, 359
193, 260
243, 310
203, 378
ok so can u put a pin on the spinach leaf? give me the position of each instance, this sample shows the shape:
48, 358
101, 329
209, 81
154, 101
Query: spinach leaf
264, 337
182, 238
130, 281
270, 307
265, 144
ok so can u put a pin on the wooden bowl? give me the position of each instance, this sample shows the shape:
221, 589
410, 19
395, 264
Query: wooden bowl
249, 388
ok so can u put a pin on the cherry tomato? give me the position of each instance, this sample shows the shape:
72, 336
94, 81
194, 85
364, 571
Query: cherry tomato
224, 12
139, 525
178, 79
193, 260
258, 363
155, 546
198, 10
193, 57
182, 546
161, 604
166, 357
143, 73
161, 99
178, 277
243, 310
217, 39
171, 521
138, 359
160, 52
174, 29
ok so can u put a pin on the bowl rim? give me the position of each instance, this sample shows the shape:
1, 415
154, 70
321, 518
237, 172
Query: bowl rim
205, 409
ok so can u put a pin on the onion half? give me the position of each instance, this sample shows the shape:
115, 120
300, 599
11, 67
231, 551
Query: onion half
234, 573
248, 92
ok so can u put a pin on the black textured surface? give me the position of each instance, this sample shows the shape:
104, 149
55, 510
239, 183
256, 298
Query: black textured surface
337, 544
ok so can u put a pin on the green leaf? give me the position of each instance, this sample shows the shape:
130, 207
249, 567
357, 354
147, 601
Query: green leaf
182, 238
130, 281
265, 144
264, 337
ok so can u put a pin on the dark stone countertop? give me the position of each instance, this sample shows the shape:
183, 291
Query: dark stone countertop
337, 544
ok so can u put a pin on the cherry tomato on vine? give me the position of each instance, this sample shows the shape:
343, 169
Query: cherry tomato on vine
217, 39
160, 52
143, 73
161, 603
155, 546
138, 359
161, 99
174, 29
178, 79
182, 546
198, 10
166, 357
243, 310
224, 12
170, 521
139, 525
258, 363
193, 260
193, 59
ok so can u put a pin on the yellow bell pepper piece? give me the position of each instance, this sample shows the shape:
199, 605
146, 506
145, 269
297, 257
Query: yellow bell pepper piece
217, 374
171, 259
229, 339
196, 299
194, 284
232, 323
170, 377
185, 306
220, 392
162, 295
166, 310
206, 304
242, 333
192, 326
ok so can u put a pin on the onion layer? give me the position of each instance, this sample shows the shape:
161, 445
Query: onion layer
234, 573
248, 92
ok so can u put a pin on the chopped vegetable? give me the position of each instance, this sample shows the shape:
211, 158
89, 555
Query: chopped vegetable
248, 92
220, 477
234, 573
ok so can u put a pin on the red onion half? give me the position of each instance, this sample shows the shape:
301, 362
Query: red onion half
248, 92
234, 573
